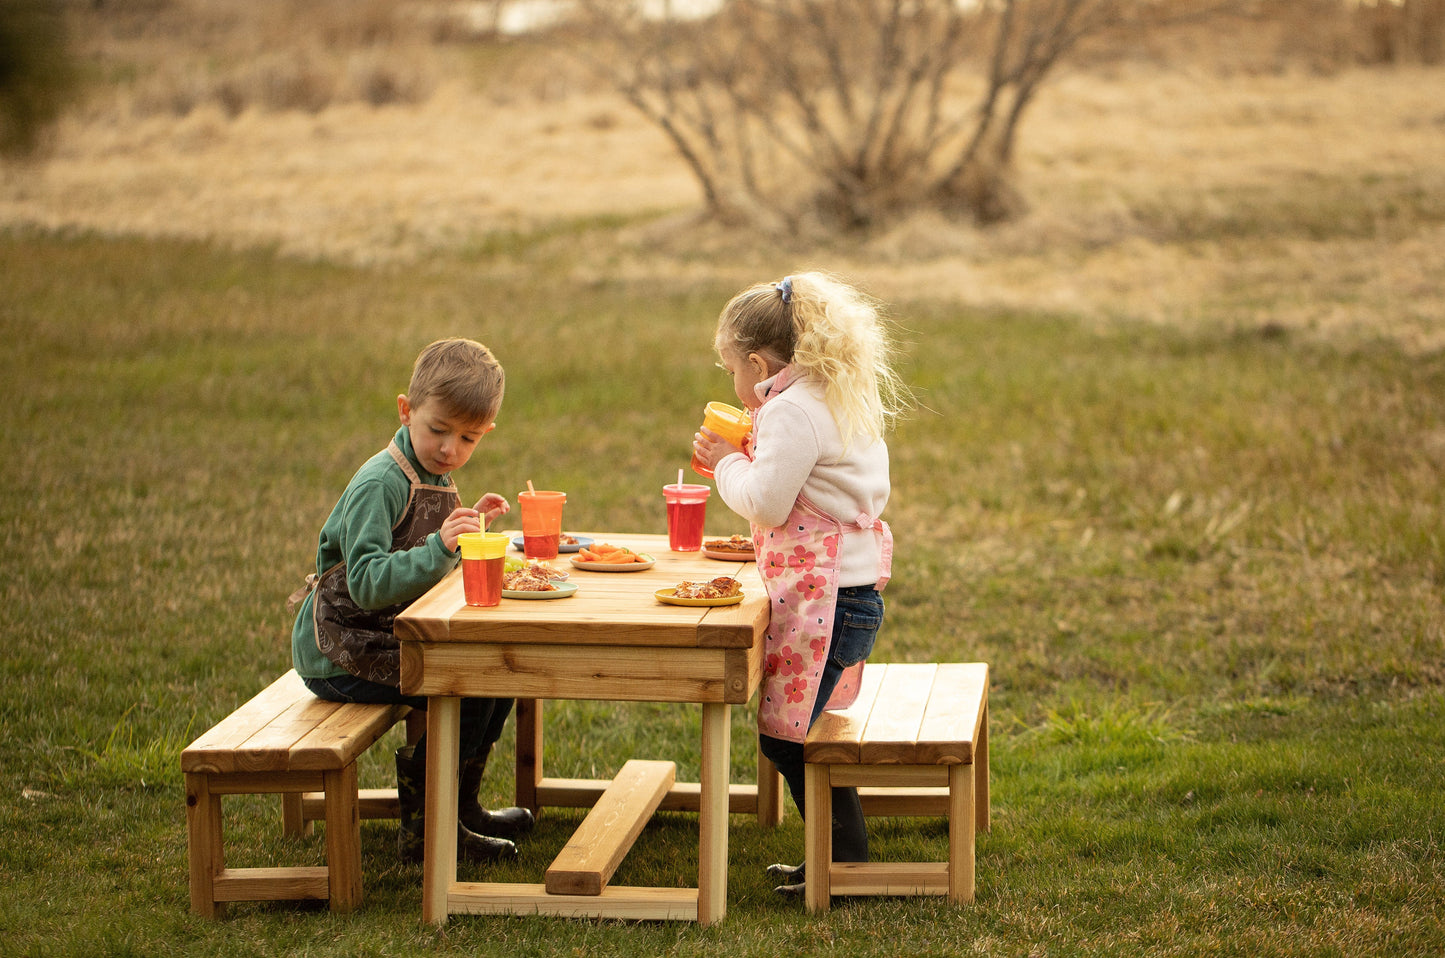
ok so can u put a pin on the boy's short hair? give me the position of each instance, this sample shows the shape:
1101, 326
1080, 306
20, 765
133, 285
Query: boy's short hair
462, 375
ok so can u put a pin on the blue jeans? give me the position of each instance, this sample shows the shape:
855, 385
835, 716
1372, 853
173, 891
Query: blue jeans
856, 621
482, 719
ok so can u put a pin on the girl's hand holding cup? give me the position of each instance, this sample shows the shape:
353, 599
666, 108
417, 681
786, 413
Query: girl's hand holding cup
724, 431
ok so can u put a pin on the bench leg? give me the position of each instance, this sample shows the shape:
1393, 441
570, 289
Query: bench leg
343, 838
980, 774
960, 832
294, 823
203, 845
818, 836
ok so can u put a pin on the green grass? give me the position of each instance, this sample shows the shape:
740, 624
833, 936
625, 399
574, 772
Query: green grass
1206, 569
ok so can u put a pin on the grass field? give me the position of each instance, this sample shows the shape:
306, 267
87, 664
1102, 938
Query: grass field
1206, 569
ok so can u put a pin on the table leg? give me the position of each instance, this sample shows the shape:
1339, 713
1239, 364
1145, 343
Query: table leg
712, 859
770, 793
529, 753
439, 870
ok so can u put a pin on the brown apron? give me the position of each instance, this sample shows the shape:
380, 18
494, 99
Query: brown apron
361, 640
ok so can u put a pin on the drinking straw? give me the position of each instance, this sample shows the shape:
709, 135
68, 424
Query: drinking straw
529, 486
679, 480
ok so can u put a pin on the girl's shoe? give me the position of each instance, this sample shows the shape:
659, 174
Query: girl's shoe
787, 874
794, 882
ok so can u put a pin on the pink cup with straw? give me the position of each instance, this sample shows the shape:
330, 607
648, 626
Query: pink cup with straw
686, 514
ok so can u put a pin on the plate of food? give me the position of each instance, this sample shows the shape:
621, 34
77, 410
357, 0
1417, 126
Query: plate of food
724, 590
605, 557
534, 583
732, 549
569, 543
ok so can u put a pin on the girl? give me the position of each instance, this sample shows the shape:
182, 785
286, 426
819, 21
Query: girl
811, 360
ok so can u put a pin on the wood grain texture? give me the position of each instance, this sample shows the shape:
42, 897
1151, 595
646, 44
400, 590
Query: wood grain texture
591, 856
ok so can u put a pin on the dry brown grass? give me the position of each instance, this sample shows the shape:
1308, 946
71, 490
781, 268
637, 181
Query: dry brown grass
1243, 188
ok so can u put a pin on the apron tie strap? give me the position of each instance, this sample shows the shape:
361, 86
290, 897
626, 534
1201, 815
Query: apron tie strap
293, 602
885, 546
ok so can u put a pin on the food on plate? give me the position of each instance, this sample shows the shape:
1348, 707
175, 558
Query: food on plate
610, 554
538, 566
722, 587
530, 579
739, 544
567, 540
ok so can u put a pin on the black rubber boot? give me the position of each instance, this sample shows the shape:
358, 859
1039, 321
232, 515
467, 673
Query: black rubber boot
503, 823
410, 835
850, 843
850, 833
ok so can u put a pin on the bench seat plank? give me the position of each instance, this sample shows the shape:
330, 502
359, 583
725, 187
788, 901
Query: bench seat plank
269, 749
344, 735
892, 732
835, 736
234, 730
286, 728
951, 721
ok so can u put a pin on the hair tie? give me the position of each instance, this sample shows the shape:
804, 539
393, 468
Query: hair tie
786, 289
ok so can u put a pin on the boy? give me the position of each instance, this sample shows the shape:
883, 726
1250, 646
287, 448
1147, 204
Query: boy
391, 537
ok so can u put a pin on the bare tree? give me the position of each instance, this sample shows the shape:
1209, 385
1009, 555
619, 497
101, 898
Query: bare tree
850, 112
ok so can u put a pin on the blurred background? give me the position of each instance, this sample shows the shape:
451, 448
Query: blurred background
1177, 161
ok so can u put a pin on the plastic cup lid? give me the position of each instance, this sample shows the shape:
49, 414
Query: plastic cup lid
482, 545
686, 490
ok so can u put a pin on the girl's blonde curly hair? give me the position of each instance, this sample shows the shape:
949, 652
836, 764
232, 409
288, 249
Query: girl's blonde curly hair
830, 332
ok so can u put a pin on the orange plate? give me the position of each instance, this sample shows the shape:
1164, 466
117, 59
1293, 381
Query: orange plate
615, 566
730, 556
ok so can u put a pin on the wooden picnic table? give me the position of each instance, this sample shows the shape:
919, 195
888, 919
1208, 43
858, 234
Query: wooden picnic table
612, 640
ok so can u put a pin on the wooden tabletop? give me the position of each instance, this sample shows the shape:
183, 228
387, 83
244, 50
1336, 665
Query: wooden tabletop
612, 638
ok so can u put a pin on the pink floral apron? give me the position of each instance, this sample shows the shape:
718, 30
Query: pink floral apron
799, 564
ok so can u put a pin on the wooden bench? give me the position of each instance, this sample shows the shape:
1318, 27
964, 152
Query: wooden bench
287, 741
912, 727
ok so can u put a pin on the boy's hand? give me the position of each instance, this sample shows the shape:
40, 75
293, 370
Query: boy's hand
490, 506
475, 519
461, 520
